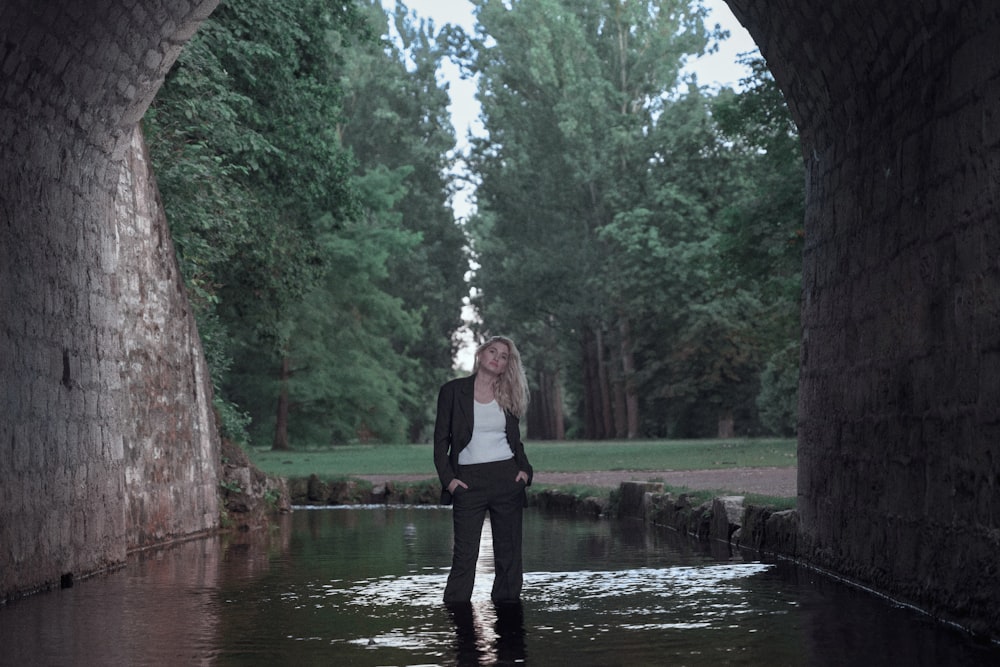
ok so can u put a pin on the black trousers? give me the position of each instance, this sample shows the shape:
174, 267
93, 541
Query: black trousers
491, 489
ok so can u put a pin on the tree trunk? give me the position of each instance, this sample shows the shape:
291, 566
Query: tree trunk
591, 391
615, 387
628, 370
558, 418
545, 418
726, 425
281, 425
620, 409
604, 386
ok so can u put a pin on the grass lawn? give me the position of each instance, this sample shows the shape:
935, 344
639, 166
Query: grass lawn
566, 456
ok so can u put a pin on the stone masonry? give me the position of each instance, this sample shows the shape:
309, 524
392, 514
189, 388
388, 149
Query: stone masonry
172, 451
106, 437
898, 106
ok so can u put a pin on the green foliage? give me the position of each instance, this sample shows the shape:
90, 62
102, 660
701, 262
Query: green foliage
624, 220
570, 92
761, 244
246, 163
778, 397
231, 486
763, 228
302, 171
352, 383
271, 498
192, 128
396, 120
639, 236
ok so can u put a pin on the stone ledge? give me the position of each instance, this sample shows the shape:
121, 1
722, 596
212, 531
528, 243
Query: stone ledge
726, 519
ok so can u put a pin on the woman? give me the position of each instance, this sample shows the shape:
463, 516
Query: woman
481, 463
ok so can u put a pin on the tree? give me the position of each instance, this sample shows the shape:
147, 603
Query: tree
396, 117
348, 380
763, 231
316, 237
641, 236
571, 94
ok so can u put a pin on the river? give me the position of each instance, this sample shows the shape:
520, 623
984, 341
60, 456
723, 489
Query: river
362, 586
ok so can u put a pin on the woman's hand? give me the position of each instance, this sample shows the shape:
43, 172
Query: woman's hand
521, 477
455, 483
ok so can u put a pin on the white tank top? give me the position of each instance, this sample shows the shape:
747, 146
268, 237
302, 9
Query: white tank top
489, 436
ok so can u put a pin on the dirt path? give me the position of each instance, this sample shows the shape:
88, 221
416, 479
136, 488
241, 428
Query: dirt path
766, 481
780, 482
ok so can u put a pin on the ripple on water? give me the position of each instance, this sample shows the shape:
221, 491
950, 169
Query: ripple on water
554, 590
582, 604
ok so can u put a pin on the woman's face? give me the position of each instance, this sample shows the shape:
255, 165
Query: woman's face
493, 358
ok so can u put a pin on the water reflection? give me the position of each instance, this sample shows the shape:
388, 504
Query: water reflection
160, 605
364, 586
488, 634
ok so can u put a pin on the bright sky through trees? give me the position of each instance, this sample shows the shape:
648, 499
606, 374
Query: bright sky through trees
715, 70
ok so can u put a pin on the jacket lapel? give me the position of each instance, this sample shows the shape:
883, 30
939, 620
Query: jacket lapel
466, 395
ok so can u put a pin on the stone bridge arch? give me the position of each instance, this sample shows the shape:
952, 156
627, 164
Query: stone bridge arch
898, 108
107, 441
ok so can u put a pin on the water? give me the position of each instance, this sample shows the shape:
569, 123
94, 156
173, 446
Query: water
362, 586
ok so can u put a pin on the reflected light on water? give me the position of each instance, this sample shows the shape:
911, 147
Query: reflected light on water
485, 563
585, 602
701, 589
363, 587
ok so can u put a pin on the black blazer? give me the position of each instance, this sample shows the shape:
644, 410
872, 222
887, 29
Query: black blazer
453, 431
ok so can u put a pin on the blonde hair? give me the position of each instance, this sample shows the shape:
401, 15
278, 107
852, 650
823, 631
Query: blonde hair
511, 388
